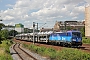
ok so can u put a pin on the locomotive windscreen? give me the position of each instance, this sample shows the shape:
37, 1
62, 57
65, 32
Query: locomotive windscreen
76, 34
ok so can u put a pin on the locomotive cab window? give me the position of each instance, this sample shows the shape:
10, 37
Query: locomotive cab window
76, 34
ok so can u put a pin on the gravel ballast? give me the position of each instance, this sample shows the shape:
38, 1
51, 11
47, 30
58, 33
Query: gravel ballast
15, 56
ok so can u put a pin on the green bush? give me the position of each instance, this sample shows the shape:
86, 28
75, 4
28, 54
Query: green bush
4, 49
64, 54
86, 40
49, 52
72, 54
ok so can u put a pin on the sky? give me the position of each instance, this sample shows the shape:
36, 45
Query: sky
41, 11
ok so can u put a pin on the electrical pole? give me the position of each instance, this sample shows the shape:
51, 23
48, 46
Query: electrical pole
37, 27
33, 32
65, 25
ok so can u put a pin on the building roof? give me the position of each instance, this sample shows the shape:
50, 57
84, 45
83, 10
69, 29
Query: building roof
46, 29
19, 25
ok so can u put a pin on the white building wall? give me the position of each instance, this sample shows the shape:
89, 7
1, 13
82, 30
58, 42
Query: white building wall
19, 29
87, 21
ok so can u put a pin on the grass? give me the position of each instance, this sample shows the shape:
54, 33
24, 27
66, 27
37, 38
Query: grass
64, 54
4, 50
72, 54
86, 40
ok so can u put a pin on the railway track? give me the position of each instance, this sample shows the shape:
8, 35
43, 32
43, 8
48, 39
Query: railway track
23, 55
84, 47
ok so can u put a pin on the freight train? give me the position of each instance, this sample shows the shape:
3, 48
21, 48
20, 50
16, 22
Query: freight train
69, 38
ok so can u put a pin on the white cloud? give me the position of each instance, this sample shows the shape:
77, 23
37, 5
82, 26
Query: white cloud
10, 23
43, 10
8, 18
74, 18
88, 1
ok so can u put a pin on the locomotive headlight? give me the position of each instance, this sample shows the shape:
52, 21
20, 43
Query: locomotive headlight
73, 40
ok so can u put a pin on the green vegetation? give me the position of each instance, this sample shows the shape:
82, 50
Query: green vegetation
72, 54
5, 44
64, 54
4, 50
4, 34
83, 31
86, 40
13, 32
1, 25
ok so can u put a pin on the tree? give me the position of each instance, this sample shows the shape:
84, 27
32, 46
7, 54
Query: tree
13, 33
0, 37
83, 31
1, 25
26, 30
4, 34
68, 28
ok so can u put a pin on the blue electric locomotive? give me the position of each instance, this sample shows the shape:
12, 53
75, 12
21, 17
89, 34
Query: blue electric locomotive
73, 38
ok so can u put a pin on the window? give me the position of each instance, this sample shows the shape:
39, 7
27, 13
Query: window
76, 34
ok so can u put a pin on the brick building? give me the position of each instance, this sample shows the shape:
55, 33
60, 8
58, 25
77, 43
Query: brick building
68, 25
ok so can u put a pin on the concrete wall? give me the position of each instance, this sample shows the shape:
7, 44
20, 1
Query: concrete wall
87, 21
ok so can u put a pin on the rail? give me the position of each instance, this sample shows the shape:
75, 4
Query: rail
23, 51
